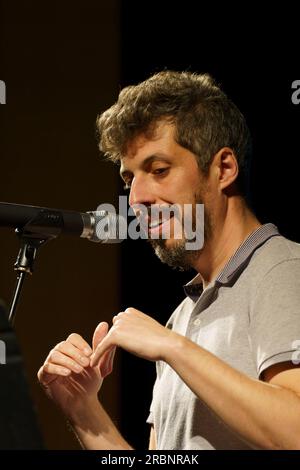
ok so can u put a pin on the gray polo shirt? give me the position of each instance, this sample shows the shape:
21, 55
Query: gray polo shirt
249, 316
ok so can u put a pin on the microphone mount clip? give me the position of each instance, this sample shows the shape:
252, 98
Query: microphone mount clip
45, 226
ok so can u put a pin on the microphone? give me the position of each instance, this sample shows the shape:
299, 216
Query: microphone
98, 226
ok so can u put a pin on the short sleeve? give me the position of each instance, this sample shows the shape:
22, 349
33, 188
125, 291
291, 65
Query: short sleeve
150, 418
158, 366
275, 316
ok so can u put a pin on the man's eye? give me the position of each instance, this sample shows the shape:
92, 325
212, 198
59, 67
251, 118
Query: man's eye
159, 171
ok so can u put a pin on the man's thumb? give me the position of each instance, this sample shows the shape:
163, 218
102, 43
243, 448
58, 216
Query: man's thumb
99, 333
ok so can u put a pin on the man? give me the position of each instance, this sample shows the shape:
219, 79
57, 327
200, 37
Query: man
227, 377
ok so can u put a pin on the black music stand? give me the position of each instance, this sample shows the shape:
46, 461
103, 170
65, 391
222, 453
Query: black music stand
18, 423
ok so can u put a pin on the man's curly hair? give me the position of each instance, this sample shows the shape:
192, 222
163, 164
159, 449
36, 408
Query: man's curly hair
205, 119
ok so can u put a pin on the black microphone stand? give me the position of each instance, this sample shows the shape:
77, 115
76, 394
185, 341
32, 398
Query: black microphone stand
35, 233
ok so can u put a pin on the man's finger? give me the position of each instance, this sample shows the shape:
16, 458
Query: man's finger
106, 363
76, 340
102, 347
99, 333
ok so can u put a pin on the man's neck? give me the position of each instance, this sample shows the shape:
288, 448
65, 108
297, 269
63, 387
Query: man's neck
224, 241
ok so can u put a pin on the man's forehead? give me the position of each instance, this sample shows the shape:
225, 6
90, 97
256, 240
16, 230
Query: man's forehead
148, 144
135, 145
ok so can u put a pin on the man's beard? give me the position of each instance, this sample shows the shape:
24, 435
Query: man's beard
177, 256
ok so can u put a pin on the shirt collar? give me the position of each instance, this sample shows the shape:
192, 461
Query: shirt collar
194, 288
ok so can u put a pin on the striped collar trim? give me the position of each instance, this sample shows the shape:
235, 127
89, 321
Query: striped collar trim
193, 289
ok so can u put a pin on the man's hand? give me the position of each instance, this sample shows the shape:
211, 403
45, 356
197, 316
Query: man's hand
67, 376
137, 333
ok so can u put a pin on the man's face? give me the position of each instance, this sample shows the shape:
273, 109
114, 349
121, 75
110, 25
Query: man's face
160, 173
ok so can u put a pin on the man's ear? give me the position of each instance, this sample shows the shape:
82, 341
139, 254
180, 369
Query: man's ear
226, 167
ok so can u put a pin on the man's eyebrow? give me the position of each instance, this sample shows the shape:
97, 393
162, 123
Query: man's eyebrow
152, 158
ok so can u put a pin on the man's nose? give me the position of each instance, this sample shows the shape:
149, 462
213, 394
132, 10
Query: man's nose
141, 192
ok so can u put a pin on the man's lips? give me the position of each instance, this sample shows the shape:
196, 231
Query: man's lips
157, 227
158, 221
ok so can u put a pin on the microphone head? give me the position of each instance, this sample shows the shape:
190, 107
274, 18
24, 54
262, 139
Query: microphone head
108, 227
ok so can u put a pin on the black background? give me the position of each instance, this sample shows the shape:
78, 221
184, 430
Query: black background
251, 52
